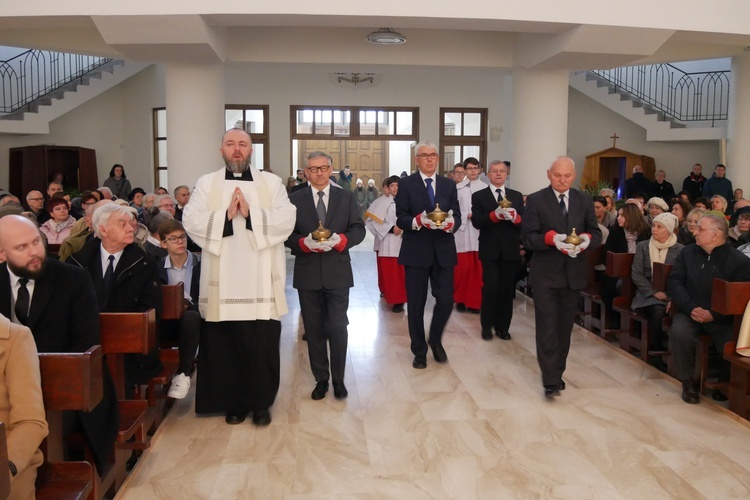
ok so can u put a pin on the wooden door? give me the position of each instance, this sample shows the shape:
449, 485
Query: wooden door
366, 159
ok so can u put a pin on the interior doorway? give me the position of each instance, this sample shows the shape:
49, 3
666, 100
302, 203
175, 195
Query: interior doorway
613, 170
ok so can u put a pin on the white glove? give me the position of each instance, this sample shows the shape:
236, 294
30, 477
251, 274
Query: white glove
586, 242
424, 221
448, 223
315, 245
331, 242
566, 248
505, 213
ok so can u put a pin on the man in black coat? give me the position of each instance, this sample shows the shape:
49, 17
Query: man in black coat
662, 188
690, 286
694, 182
499, 249
125, 278
323, 271
557, 274
638, 184
428, 251
61, 313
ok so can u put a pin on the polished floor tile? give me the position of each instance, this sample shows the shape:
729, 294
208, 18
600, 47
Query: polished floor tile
475, 427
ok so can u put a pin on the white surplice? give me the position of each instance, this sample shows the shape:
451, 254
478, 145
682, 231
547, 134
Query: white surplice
467, 236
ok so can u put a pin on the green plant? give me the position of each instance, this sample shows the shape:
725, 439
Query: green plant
593, 188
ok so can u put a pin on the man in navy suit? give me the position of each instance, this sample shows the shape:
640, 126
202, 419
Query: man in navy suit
428, 251
499, 249
557, 274
323, 271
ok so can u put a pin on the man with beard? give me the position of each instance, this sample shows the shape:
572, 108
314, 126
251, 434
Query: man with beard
58, 303
241, 217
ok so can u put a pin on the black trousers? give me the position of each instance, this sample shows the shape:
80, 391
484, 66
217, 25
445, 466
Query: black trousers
683, 340
554, 311
238, 366
417, 279
498, 292
325, 320
186, 331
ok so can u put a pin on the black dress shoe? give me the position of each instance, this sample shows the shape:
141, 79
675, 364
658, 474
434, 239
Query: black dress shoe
234, 417
339, 390
472, 310
261, 417
689, 394
718, 396
420, 362
562, 385
439, 353
320, 390
503, 335
461, 307
551, 390
486, 334
398, 308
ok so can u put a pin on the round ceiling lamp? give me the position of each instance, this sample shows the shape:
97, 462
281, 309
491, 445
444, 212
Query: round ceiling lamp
386, 36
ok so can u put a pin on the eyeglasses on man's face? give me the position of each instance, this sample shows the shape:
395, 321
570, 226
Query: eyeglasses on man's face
36, 199
315, 170
176, 239
168, 206
425, 156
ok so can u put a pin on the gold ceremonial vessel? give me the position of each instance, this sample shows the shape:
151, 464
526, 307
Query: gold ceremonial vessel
505, 203
437, 216
321, 234
573, 238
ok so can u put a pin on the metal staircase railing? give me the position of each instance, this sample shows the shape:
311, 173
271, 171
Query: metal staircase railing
36, 74
686, 97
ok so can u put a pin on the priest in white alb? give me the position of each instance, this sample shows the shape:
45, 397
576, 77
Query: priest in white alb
240, 217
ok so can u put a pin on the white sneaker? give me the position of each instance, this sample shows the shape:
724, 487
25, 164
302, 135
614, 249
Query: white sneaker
180, 386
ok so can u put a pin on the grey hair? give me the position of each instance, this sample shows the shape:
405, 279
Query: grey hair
147, 196
424, 144
105, 188
178, 188
160, 197
102, 214
496, 162
718, 223
319, 154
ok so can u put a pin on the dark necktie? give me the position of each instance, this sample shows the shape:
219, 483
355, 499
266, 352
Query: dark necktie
22, 302
563, 207
499, 194
109, 276
321, 207
430, 191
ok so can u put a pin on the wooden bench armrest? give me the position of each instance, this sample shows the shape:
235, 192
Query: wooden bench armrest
128, 333
64, 480
730, 297
660, 276
619, 264
173, 301
72, 381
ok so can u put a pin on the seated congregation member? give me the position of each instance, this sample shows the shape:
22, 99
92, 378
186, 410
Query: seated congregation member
381, 220
680, 209
58, 227
688, 231
82, 231
499, 249
21, 407
738, 234
661, 248
135, 197
323, 272
181, 266
655, 207
600, 209
58, 303
125, 277
152, 218
719, 203
690, 287
702, 202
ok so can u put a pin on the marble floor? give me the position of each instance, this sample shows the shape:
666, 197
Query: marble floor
476, 427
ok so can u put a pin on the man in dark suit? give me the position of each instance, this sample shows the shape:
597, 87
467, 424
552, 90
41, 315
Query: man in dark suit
428, 251
499, 249
556, 274
58, 304
323, 272
125, 277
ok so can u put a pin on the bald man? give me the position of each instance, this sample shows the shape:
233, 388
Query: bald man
58, 303
558, 271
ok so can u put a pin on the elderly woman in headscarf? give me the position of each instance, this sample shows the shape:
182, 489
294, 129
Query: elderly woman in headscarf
663, 248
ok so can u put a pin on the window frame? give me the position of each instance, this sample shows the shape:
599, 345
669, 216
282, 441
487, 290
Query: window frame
263, 138
355, 129
462, 140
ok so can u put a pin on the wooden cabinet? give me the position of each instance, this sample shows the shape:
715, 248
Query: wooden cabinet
32, 167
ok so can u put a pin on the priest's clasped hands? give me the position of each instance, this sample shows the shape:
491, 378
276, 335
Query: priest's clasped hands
238, 204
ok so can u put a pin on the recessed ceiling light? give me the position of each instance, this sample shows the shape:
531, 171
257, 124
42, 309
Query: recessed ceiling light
386, 36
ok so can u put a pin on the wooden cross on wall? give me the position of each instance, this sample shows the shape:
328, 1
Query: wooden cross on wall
614, 139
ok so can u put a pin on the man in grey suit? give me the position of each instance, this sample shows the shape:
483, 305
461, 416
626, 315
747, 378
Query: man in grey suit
556, 274
323, 272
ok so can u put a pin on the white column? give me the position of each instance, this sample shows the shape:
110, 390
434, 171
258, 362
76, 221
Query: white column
195, 120
738, 153
540, 125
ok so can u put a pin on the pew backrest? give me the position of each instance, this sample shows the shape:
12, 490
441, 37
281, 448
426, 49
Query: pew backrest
72, 381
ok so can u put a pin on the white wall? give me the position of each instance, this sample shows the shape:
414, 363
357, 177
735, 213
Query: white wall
590, 126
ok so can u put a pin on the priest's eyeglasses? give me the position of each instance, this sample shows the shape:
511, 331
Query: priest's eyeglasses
176, 239
315, 170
